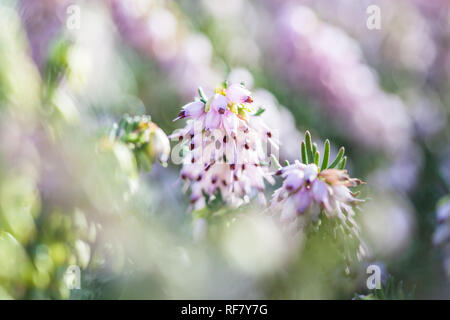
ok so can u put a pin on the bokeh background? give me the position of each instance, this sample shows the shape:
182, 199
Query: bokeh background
69, 70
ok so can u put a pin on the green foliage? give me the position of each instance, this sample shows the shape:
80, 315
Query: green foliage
338, 159
202, 95
215, 206
391, 290
311, 154
326, 155
38, 245
57, 65
260, 111
309, 149
304, 153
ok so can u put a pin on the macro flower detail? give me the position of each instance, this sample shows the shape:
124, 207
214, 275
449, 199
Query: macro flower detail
309, 189
225, 147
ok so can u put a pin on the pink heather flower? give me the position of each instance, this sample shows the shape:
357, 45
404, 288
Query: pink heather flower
238, 93
226, 142
307, 191
193, 110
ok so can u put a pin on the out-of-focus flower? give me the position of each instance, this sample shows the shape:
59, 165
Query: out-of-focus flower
241, 75
239, 48
329, 63
147, 141
279, 117
387, 224
443, 216
255, 244
403, 41
308, 190
227, 142
43, 21
157, 31
401, 173
427, 111
442, 234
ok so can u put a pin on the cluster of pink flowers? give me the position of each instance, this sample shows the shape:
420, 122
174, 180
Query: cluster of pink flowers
227, 146
306, 191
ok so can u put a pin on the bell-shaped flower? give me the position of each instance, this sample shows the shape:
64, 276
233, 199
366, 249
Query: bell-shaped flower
238, 94
192, 110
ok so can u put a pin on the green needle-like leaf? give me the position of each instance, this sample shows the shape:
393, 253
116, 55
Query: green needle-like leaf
326, 155
202, 95
314, 148
316, 158
304, 155
260, 112
286, 162
309, 148
342, 164
338, 158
